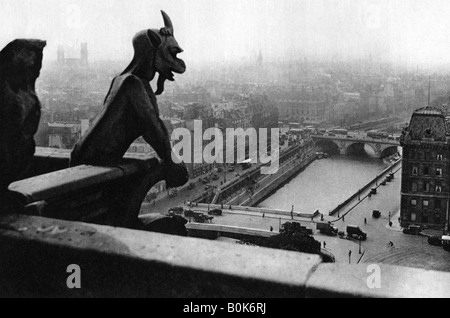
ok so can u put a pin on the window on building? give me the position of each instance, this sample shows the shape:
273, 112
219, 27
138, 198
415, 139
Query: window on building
415, 171
427, 155
413, 202
426, 203
439, 172
414, 186
424, 216
437, 203
426, 186
439, 157
426, 171
438, 189
413, 216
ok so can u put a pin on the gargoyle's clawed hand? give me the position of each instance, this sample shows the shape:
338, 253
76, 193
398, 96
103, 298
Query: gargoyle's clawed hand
176, 175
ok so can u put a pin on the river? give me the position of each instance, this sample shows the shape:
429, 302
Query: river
326, 183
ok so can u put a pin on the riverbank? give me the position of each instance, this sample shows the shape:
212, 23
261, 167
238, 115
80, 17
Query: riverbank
364, 192
268, 184
288, 173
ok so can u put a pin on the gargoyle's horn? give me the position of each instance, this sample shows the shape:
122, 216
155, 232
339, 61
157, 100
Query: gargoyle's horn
167, 22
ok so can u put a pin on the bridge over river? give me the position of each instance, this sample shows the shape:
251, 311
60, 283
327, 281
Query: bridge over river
357, 141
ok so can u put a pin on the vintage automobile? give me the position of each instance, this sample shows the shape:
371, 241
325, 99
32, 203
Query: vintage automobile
176, 210
413, 230
215, 212
376, 214
202, 218
435, 240
354, 231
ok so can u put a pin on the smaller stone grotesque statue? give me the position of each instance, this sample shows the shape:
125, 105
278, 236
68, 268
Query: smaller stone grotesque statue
20, 110
131, 109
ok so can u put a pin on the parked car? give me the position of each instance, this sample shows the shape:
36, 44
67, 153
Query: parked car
176, 210
190, 213
215, 212
327, 229
353, 231
435, 240
202, 218
376, 214
413, 230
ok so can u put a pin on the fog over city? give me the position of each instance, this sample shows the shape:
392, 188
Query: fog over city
409, 32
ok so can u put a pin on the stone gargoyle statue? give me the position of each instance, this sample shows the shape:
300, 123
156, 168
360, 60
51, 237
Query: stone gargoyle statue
131, 109
20, 110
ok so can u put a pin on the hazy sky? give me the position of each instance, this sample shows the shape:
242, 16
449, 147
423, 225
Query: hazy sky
413, 31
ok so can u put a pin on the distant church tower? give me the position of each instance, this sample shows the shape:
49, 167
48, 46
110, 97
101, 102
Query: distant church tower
259, 61
84, 54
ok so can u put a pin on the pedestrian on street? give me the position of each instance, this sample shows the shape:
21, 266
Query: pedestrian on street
271, 229
264, 215
324, 244
343, 218
365, 221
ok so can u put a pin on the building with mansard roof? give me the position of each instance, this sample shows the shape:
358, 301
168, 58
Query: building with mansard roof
425, 173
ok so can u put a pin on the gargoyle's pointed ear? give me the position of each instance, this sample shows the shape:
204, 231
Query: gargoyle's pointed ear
154, 38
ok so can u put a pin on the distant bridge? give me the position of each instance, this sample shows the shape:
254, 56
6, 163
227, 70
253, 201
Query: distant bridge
381, 147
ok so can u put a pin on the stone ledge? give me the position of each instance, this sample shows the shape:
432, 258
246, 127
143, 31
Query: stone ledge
101, 195
117, 262
329, 280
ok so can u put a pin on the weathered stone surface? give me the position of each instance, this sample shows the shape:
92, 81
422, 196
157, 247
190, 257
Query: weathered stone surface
126, 263
101, 195
330, 280
64, 181
119, 262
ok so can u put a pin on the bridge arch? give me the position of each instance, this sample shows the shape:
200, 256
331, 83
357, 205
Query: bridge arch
388, 151
359, 147
328, 145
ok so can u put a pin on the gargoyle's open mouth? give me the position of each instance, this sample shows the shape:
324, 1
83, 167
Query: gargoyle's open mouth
179, 67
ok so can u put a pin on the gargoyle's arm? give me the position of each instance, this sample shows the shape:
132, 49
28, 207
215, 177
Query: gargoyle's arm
155, 131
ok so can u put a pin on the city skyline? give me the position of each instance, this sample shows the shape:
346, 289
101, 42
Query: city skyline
407, 32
